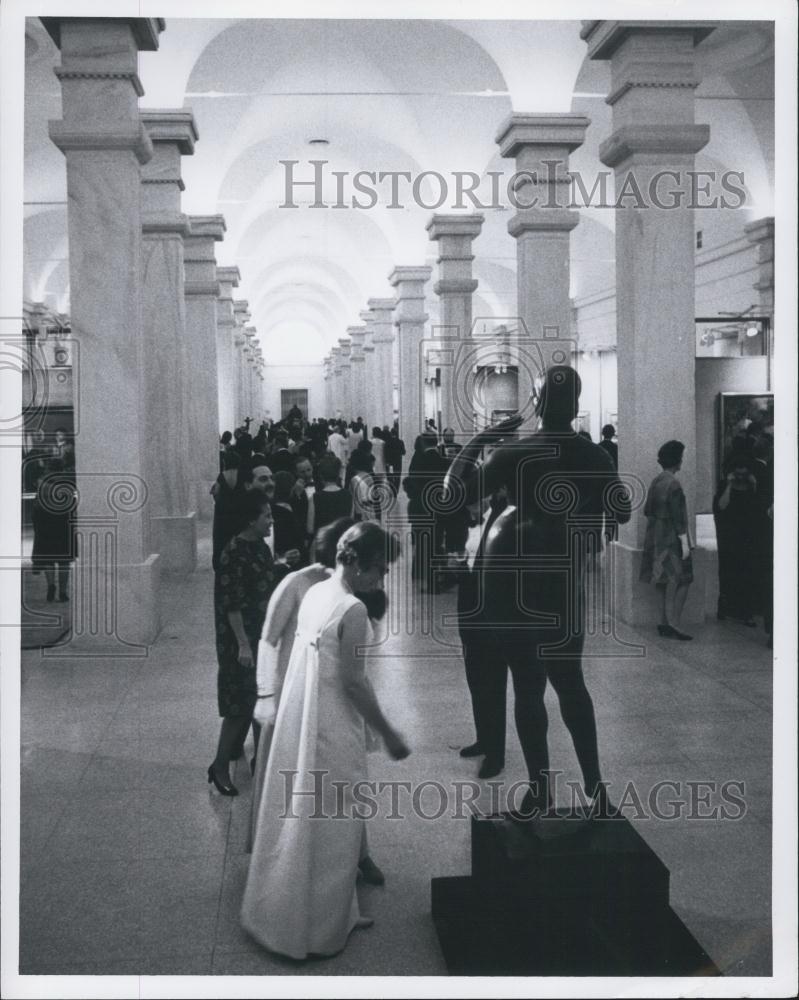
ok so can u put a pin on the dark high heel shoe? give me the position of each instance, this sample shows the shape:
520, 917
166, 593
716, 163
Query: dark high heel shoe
665, 630
51, 593
473, 750
228, 789
63, 597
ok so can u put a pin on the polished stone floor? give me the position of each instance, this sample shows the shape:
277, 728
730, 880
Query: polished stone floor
130, 865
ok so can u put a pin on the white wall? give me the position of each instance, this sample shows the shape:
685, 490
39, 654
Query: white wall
310, 377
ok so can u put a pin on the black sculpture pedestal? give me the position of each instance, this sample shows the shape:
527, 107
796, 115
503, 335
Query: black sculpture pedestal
566, 896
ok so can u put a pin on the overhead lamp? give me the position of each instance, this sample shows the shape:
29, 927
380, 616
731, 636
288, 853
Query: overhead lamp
752, 331
318, 142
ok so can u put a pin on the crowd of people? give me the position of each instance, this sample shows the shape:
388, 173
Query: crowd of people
304, 530
295, 617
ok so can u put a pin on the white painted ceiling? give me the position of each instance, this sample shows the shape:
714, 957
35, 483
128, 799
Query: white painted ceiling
390, 96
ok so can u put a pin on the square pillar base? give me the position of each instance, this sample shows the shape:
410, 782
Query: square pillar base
200, 499
116, 611
638, 604
175, 540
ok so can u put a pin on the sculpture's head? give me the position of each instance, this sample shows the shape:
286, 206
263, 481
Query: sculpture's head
558, 400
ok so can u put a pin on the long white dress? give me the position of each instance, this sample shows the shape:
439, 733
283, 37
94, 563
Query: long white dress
280, 627
300, 896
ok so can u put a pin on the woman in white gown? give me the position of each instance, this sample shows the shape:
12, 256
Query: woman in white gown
277, 640
300, 897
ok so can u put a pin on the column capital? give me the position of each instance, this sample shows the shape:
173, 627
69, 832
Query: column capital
381, 305
208, 225
145, 30
133, 137
175, 125
657, 143
604, 37
560, 130
357, 335
647, 56
760, 230
468, 226
229, 275
405, 275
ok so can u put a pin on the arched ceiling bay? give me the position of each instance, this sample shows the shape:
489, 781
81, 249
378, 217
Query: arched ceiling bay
415, 96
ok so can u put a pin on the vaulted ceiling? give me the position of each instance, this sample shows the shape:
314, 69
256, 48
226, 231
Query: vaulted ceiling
387, 96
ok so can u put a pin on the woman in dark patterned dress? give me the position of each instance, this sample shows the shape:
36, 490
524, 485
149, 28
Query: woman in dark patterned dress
246, 577
666, 560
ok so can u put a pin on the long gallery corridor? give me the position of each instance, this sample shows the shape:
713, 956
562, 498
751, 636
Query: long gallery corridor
507, 288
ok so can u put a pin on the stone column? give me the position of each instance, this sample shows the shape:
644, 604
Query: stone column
761, 234
257, 409
327, 379
249, 361
335, 383
370, 404
228, 278
540, 144
242, 315
202, 292
455, 285
345, 395
115, 589
357, 335
653, 78
262, 385
409, 320
168, 388
382, 311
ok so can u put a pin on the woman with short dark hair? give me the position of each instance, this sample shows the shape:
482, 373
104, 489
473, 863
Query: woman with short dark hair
244, 582
667, 546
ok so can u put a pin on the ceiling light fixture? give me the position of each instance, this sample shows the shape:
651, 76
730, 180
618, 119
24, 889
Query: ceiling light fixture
318, 142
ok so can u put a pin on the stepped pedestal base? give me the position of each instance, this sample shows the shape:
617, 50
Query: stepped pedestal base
583, 898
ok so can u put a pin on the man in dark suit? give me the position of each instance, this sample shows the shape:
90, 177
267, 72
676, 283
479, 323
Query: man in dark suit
424, 487
560, 487
486, 670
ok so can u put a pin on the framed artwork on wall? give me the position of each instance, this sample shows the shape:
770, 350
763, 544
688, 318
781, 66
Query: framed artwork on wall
743, 419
